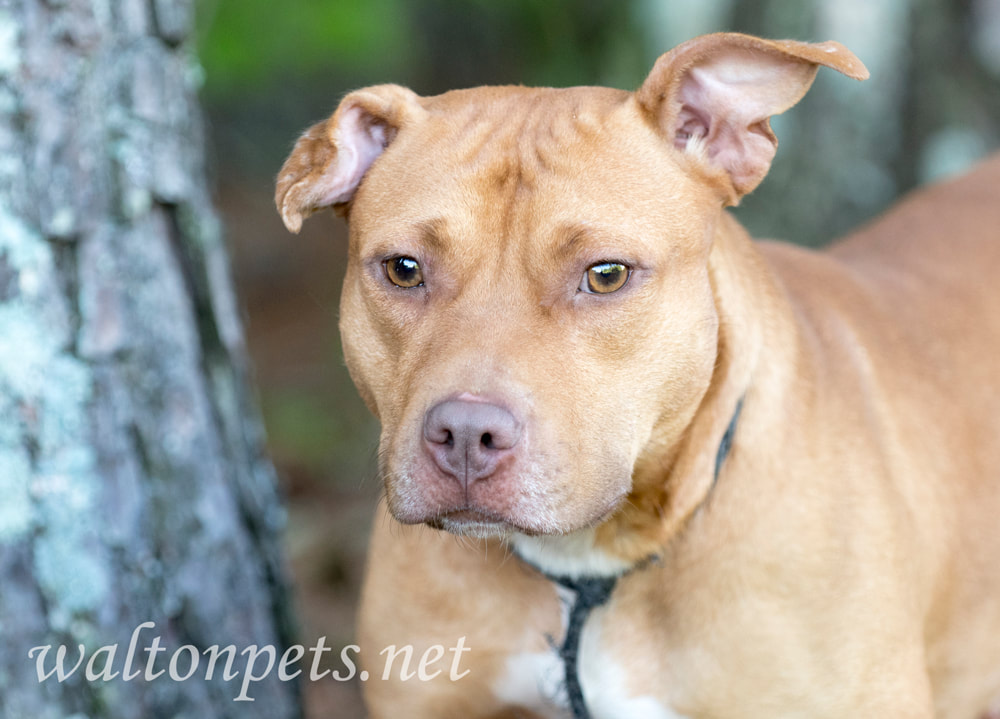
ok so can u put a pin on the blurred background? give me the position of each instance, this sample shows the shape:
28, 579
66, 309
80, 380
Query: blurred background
931, 108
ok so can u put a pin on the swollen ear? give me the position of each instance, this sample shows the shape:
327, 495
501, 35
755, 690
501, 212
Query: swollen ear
713, 98
329, 160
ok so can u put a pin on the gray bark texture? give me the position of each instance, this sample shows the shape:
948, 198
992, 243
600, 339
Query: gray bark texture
133, 481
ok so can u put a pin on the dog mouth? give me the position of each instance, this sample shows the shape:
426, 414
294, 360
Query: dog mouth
479, 522
476, 522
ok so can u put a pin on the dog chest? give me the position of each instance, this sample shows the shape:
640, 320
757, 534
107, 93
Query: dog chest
537, 680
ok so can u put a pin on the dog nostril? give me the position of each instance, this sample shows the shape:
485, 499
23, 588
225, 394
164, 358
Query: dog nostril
464, 436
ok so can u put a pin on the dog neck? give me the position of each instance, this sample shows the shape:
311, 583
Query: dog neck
675, 473
590, 592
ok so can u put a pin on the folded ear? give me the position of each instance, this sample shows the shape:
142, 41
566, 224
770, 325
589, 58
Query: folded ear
329, 160
713, 97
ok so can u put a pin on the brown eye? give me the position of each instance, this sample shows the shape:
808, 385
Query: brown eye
404, 272
605, 277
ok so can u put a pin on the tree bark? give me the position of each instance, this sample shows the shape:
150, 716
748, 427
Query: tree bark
134, 486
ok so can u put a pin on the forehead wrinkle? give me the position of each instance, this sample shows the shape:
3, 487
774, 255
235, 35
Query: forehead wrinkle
578, 237
549, 124
433, 234
573, 239
517, 134
508, 144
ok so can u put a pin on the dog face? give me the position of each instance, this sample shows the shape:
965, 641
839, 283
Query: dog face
528, 306
522, 250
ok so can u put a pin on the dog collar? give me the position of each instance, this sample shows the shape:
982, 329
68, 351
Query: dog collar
591, 592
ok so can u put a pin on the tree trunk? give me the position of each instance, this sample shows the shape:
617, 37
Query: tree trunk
133, 481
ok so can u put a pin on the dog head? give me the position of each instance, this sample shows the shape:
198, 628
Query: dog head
529, 307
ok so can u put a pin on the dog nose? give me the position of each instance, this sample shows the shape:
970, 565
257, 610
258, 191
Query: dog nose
468, 439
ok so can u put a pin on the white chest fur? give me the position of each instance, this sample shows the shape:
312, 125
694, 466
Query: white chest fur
569, 555
605, 683
536, 681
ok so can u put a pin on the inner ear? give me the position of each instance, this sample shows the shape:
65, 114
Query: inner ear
329, 161
691, 125
714, 96
360, 138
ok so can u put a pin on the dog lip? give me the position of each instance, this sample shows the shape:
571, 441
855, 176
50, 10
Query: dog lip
470, 515
473, 516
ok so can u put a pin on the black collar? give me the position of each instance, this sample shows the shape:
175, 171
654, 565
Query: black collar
726, 444
591, 592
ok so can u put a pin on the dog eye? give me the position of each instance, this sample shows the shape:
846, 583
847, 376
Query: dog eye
404, 272
605, 277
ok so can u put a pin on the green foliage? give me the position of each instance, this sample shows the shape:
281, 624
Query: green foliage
326, 433
254, 43
432, 45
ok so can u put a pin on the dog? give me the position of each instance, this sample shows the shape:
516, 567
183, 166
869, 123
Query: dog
692, 474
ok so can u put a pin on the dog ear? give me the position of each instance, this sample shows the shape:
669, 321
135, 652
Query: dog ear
713, 96
329, 160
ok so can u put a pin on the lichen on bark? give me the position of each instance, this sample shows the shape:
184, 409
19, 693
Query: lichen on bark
134, 479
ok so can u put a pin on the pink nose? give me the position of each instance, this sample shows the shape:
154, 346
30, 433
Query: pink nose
468, 440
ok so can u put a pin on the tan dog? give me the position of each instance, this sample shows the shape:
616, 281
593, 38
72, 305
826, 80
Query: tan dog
561, 331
